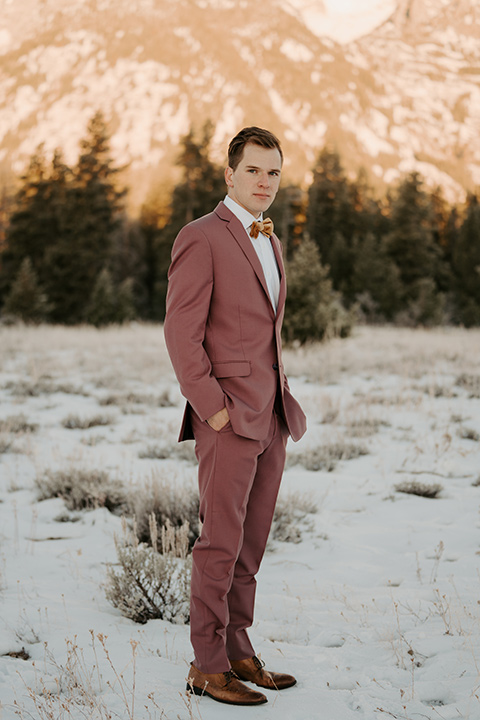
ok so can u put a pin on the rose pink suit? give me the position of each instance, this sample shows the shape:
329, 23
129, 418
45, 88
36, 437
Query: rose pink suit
224, 341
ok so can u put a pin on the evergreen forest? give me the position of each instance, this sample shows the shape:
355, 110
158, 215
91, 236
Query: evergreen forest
71, 253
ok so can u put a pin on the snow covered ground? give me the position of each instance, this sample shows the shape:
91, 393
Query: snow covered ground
376, 609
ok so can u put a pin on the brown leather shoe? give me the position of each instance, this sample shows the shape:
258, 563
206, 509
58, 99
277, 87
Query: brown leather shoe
253, 669
224, 687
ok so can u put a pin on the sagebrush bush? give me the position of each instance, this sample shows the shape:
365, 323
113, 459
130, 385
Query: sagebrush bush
471, 383
415, 487
41, 386
327, 456
365, 427
169, 501
5, 445
83, 489
468, 434
17, 424
291, 516
132, 398
75, 422
147, 584
166, 450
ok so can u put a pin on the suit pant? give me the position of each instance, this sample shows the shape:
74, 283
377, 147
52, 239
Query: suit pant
239, 479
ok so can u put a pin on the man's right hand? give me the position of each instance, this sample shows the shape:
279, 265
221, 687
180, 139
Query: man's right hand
219, 420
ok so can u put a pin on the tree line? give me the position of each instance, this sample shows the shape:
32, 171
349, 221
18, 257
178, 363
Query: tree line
70, 252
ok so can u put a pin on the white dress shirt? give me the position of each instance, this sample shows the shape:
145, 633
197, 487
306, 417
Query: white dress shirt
263, 248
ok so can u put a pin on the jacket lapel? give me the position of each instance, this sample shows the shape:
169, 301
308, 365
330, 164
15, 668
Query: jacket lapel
238, 231
277, 249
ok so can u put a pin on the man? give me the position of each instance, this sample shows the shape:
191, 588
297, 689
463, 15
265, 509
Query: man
225, 305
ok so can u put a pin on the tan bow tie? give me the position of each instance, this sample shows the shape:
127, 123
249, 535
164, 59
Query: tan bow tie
265, 227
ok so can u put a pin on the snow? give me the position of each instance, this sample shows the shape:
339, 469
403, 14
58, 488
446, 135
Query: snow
298, 52
375, 610
342, 20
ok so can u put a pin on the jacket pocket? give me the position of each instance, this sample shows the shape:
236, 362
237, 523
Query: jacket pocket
233, 368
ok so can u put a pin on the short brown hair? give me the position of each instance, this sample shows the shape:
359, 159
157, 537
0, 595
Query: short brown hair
254, 136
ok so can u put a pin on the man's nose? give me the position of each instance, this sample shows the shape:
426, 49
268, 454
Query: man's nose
264, 180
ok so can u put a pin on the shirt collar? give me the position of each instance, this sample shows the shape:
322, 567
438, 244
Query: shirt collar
245, 217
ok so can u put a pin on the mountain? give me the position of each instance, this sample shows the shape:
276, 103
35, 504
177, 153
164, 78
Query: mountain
405, 96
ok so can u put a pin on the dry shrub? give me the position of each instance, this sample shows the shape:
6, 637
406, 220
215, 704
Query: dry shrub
131, 398
326, 457
164, 451
83, 489
149, 584
5, 445
74, 422
42, 386
365, 427
169, 501
468, 434
471, 383
415, 487
291, 517
17, 424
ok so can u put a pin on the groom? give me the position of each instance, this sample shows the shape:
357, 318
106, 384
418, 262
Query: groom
225, 306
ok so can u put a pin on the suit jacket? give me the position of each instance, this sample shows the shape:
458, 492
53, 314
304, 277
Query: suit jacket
221, 330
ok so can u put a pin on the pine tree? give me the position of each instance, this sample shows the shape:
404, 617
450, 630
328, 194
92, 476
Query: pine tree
125, 302
327, 202
157, 243
313, 310
412, 247
339, 212
93, 211
289, 215
202, 185
102, 306
376, 280
466, 265
201, 188
26, 300
38, 218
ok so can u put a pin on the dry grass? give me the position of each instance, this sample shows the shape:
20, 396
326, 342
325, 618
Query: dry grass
402, 351
415, 487
327, 456
17, 424
167, 450
293, 516
147, 584
83, 489
41, 386
135, 351
471, 383
468, 434
167, 499
75, 422
6, 445
124, 400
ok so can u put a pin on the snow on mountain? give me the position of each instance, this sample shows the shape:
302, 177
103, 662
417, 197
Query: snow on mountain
405, 96
342, 20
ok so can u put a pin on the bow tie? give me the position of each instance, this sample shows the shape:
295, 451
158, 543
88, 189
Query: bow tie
265, 227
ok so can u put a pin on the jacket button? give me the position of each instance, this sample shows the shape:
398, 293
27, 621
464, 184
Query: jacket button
275, 366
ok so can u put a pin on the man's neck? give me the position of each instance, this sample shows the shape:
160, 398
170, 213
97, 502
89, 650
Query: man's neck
259, 215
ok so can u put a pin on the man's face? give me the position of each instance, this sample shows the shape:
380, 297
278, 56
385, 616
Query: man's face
254, 183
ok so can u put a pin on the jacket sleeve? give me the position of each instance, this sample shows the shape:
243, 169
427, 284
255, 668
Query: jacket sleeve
190, 284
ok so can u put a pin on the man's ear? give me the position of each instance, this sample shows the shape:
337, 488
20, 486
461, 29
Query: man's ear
229, 176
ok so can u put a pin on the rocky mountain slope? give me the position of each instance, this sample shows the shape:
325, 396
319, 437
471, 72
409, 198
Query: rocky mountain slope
405, 96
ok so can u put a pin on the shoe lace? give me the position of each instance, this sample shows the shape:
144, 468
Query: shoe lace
229, 676
259, 664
